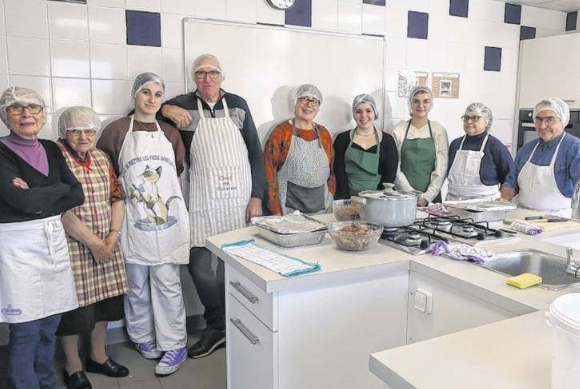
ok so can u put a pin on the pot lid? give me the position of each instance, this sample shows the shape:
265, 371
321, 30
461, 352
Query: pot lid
387, 194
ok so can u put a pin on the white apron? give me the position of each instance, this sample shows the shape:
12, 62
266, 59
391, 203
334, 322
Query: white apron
539, 190
464, 180
156, 226
36, 279
220, 177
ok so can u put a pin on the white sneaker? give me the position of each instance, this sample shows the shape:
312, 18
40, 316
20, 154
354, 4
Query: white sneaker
148, 350
171, 361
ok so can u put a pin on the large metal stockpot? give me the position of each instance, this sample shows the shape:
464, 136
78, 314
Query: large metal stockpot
387, 207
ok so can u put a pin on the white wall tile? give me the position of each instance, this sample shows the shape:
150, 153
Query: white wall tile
396, 51
459, 30
112, 97
392, 77
107, 3
474, 55
325, 15
173, 89
214, 9
242, 11
396, 22
399, 4
71, 91
2, 24
40, 84
108, 61
50, 128
503, 130
3, 56
173, 65
68, 21
373, 21
181, 7
144, 59
438, 8
437, 53
419, 5
28, 56
478, 9
144, 5
269, 15
417, 54
396, 107
456, 56
505, 35
438, 28
26, 18
172, 30
107, 25
495, 11
70, 59
509, 60
349, 17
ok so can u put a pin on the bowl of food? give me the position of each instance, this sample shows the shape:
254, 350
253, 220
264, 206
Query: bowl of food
345, 210
354, 235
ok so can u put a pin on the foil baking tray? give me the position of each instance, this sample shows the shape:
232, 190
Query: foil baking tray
479, 210
291, 240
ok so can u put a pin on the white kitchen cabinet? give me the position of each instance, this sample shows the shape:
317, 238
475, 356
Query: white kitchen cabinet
452, 310
549, 67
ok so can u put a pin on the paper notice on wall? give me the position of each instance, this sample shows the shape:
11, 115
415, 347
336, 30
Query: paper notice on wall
445, 85
408, 79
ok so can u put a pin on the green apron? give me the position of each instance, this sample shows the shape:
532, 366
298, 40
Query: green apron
362, 168
418, 159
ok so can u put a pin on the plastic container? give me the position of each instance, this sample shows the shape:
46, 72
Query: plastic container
345, 210
354, 236
564, 318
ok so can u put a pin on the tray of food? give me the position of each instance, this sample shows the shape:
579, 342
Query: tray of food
292, 240
294, 223
480, 210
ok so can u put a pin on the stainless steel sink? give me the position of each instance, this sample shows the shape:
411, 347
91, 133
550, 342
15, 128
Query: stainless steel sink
550, 267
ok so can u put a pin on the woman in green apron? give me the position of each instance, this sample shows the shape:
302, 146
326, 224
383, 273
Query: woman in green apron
364, 157
423, 148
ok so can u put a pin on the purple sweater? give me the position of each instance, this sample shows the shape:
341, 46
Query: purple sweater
29, 150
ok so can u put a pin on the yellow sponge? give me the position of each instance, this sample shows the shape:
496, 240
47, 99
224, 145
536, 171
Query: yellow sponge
524, 280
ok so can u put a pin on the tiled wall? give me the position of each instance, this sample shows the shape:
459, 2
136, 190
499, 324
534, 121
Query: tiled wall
78, 53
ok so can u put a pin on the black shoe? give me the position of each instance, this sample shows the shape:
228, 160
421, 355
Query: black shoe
109, 368
77, 380
210, 341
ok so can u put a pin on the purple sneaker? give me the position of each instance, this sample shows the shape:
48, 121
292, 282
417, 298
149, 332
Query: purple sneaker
148, 350
171, 361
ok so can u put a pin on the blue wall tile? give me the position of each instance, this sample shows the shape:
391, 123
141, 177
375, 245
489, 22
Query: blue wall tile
417, 25
300, 14
459, 8
492, 61
571, 21
143, 28
513, 13
527, 33
375, 2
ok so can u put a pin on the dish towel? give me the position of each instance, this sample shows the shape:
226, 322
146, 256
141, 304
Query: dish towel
270, 259
460, 251
526, 228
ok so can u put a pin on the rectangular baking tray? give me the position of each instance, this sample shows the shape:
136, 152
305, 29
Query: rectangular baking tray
291, 240
480, 210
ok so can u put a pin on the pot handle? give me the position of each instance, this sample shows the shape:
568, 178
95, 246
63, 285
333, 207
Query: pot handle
358, 200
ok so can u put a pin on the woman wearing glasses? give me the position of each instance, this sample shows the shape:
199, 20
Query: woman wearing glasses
299, 156
36, 280
93, 231
423, 149
480, 165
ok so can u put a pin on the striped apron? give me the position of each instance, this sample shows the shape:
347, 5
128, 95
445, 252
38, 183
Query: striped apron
94, 281
220, 178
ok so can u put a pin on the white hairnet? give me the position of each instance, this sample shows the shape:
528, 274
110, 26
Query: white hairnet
18, 94
557, 105
207, 60
365, 98
481, 110
77, 118
305, 90
143, 79
419, 89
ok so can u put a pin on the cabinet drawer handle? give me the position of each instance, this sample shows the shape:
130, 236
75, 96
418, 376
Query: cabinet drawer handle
244, 292
247, 333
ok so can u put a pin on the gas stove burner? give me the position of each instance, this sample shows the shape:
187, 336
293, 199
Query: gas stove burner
468, 228
413, 241
439, 222
414, 235
389, 232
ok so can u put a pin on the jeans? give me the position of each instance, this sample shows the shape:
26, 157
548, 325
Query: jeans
31, 351
209, 285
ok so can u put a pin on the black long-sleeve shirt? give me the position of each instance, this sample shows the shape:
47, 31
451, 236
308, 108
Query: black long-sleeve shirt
48, 195
388, 162
241, 116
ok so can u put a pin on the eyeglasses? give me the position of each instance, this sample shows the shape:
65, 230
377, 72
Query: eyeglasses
309, 101
18, 109
213, 74
548, 120
472, 119
77, 133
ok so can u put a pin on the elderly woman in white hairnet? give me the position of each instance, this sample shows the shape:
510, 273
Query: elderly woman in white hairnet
36, 280
148, 157
299, 158
548, 167
93, 230
479, 164
423, 149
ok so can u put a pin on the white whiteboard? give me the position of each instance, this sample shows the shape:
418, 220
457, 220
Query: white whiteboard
264, 64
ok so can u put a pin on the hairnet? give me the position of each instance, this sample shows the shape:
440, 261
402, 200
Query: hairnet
557, 105
419, 89
18, 94
365, 98
143, 79
307, 90
481, 110
207, 60
77, 118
